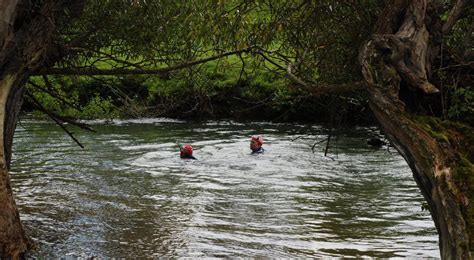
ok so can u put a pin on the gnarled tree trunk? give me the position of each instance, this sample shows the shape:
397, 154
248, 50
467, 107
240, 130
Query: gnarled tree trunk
13, 241
26, 29
398, 58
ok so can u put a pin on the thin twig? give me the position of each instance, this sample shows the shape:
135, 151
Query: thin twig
328, 142
457, 65
40, 107
242, 70
54, 95
314, 145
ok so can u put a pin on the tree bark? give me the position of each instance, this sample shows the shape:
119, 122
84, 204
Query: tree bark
13, 240
26, 29
396, 58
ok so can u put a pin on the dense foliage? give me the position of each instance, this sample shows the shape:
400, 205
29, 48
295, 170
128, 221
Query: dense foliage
319, 39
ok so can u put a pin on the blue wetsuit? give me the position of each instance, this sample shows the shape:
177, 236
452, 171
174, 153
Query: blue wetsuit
188, 157
259, 150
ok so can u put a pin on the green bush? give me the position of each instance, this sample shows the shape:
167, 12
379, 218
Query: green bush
69, 105
462, 105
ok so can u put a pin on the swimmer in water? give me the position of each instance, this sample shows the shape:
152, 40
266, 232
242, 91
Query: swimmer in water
256, 143
186, 152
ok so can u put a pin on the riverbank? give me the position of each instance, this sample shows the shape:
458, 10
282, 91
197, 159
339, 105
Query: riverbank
224, 97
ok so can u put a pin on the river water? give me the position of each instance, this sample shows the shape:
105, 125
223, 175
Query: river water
127, 194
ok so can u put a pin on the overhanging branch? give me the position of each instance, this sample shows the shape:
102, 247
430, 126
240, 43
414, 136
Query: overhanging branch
127, 71
59, 120
322, 88
316, 89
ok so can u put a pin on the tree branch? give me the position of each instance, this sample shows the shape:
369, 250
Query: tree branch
454, 16
315, 89
55, 119
126, 71
52, 94
325, 89
110, 56
271, 61
58, 117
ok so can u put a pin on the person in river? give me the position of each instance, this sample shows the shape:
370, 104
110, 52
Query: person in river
256, 143
186, 152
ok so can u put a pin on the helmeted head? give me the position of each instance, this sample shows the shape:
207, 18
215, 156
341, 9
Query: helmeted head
256, 142
186, 150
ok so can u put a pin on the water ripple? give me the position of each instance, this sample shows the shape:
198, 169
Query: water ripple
129, 195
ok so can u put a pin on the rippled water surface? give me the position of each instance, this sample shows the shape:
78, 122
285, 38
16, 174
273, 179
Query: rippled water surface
127, 194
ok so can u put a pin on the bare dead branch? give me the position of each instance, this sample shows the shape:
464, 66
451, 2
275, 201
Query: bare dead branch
327, 143
294, 78
61, 118
242, 69
318, 142
52, 94
54, 118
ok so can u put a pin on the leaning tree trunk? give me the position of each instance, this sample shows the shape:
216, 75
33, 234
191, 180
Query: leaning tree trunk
26, 29
398, 58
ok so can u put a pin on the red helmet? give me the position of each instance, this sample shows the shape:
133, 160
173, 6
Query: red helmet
258, 139
187, 149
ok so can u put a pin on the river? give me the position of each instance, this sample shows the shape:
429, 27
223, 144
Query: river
127, 194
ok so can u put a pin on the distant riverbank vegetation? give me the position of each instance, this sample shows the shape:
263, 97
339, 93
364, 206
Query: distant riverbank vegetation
217, 89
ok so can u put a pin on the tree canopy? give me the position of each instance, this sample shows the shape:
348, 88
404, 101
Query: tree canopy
313, 44
321, 39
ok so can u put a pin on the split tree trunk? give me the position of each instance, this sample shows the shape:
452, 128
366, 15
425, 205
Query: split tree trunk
398, 57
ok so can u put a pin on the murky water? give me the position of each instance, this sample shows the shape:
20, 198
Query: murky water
129, 195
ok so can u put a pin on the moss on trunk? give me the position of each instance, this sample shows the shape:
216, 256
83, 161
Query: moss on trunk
460, 141
438, 152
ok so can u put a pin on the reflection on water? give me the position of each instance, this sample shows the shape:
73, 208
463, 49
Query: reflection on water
129, 195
